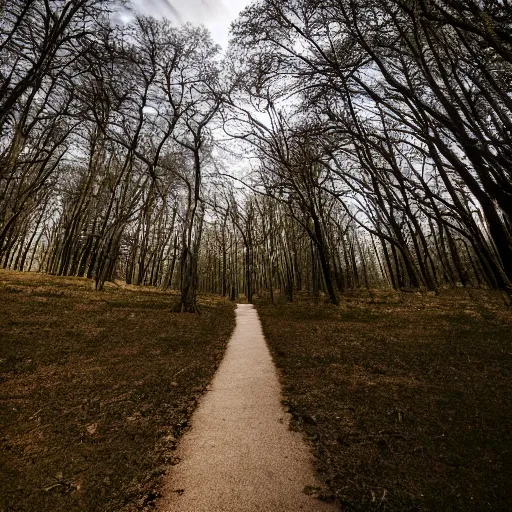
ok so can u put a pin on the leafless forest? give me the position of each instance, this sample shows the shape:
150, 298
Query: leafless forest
336, 144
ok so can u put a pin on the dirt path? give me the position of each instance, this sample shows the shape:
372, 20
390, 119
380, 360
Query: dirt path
239, 454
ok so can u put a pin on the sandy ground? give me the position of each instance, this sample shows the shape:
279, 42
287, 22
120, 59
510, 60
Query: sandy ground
239, 454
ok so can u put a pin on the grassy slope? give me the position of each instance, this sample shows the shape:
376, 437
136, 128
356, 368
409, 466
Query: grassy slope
407, 403
94, 390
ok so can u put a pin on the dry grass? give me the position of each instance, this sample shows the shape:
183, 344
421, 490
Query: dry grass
405, 398
95, 389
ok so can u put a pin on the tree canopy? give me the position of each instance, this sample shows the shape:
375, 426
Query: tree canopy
337, 144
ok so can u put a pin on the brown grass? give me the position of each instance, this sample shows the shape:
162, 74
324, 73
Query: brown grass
95, 389
405, 398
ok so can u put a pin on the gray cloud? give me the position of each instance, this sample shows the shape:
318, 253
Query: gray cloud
166, 8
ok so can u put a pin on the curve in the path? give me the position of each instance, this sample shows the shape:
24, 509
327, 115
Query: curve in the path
239, 454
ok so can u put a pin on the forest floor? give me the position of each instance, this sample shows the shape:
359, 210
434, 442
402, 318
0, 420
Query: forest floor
95, 389
405, 398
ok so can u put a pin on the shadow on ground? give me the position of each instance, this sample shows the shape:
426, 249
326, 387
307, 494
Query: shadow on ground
406, 398
95, 389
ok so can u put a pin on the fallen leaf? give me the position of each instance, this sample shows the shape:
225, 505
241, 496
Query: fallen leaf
92, 428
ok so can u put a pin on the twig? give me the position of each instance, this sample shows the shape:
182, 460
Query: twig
182, 370
59, 484
35, 414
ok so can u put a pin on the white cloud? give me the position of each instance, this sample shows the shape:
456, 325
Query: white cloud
216, 15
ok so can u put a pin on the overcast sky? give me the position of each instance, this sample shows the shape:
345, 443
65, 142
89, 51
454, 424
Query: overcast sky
216, 15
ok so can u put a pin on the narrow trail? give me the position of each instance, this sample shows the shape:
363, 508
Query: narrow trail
239, 454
